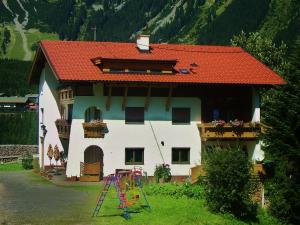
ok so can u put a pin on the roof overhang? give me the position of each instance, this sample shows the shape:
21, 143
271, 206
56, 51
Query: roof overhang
38, 65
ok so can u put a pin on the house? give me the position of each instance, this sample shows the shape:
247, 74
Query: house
13, 104
121, 105
32, 101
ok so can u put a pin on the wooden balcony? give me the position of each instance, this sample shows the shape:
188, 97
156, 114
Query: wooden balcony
66, 95
210, 131
63, 128
94, 129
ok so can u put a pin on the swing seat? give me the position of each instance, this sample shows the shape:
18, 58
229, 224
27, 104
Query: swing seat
129, 203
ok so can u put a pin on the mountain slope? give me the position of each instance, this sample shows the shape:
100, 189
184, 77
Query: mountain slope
188, 21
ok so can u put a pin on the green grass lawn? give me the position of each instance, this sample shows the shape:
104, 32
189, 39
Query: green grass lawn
164, 210
34, 35
15, 48
15, 166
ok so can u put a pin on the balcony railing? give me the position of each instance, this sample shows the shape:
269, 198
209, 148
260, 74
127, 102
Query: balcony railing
63, 128
226, 131
94, 129
66, 95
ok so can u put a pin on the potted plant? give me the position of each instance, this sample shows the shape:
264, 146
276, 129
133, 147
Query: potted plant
236, 123
162, 173
50, 153
56, 155
219, 123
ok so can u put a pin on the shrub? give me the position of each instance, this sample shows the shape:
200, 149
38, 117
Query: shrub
36, 165
228, 185
175, 190
27, 162
162, 171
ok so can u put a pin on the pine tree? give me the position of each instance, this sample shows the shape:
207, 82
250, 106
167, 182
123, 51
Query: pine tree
281, 111
282, 143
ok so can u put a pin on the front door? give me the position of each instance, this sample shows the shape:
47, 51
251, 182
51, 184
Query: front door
93, 161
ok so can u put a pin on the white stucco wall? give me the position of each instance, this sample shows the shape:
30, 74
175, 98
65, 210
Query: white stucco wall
123, 135
258, 155
48, 101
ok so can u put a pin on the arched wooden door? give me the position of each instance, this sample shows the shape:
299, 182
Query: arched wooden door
93, 164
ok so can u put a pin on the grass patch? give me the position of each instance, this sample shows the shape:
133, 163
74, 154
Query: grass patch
34, 35
37, 178
165, 208
170, 204
15, 47
14, 166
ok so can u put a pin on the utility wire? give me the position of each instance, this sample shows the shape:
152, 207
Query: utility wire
157, 142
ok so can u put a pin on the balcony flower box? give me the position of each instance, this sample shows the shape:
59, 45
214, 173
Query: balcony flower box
63, 128
94, 129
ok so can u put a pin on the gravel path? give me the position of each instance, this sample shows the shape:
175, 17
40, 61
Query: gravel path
24, 200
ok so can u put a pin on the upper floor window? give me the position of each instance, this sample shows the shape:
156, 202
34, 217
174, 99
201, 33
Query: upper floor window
181, 115
134, 115
92, 113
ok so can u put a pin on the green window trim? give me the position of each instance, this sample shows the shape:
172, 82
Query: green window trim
134, 156
180, 155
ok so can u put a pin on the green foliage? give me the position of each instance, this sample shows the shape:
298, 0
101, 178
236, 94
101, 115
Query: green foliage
6, 40
176, 190
264, 50
36, 165
19, 128
228, 185
239, 15
163, 172
282, 143
27, 162
281, 107
14, 78
13, 166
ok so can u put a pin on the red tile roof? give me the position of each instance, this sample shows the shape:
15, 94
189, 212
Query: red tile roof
71, 61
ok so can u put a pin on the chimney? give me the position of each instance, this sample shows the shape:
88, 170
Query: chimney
142, 42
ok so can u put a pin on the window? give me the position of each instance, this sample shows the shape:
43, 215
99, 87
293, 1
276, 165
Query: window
181, 115
134, 115
92, 113
134, 156
180, 155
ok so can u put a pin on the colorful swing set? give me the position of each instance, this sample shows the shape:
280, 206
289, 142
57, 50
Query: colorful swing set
128, 188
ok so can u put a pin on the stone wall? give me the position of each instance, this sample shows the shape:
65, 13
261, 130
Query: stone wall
13, 152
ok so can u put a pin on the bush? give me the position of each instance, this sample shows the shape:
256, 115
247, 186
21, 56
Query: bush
228, 187
163, 172
36, 165
175, 190
27, 162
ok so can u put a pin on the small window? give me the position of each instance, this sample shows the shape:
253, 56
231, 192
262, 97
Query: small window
134, 156
180, 155
134, 115
181, 115
92, 113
